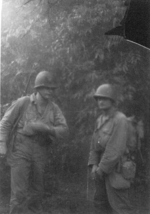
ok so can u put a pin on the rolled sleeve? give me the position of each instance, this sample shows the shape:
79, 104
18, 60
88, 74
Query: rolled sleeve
8, 120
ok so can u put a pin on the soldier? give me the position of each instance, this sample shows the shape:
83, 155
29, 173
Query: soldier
40, 124
108, 152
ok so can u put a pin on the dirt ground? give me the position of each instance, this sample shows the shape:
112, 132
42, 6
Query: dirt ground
73, 198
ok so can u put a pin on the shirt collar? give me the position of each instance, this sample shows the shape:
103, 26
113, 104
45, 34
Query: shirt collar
33, 98
107, 117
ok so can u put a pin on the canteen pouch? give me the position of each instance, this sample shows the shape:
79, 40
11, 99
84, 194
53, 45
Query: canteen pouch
128, 169
117, 181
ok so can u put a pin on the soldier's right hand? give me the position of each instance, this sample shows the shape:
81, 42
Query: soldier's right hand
93, 172
37, 127
34, 127
3, 149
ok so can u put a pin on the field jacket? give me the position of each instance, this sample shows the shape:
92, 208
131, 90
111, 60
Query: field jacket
108, 143
52, 117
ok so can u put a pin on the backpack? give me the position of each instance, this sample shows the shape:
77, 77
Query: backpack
135, 134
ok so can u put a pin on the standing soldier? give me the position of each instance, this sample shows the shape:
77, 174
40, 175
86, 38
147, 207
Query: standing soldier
108, 152
41, 121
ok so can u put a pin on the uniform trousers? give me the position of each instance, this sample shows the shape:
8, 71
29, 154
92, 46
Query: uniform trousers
27, 173
108, 200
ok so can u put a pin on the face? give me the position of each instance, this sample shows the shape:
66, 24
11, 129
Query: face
104, 103
46, 93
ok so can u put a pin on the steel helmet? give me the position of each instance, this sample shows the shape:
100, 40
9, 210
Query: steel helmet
105, 90
45, 79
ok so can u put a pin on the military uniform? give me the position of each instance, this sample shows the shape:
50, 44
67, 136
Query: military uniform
30, 150
108, 148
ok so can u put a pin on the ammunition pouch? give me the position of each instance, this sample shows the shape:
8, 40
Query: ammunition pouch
123, 176
117, 181
129, 169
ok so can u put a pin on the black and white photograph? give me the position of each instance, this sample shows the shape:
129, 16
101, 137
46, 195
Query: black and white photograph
75, 107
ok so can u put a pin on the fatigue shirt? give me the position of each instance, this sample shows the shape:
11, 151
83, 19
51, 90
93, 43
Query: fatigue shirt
109, 142
52, 117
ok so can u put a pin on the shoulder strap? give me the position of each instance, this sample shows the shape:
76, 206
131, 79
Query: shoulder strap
24, 105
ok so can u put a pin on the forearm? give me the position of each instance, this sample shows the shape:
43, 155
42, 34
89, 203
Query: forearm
5, 128
3, 148
39, 126
8, 121
107, 164
61, 131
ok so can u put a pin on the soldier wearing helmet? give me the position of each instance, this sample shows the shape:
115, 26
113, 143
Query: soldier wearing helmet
40, 123
107, 152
